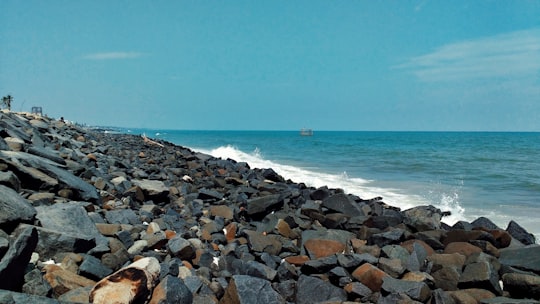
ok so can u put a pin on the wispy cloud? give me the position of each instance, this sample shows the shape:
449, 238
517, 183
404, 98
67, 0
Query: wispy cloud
509, 55
112, 55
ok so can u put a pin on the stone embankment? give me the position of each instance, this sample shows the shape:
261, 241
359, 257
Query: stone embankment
87, 216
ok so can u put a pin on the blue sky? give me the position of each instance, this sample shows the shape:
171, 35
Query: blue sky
276, 65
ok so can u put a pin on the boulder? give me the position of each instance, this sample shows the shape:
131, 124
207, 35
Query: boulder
63, 281
245, 289
342, 203
418, 291
131, 284
522, 285
423, 218
154, 190
314, 290
520, 234
171, 290
264, 204
14, 209
526, 258
480, 275
15, 261
181, 248
320, 248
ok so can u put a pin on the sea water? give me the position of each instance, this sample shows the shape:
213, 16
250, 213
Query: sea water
470, 174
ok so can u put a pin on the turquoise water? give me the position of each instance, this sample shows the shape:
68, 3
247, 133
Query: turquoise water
471, 174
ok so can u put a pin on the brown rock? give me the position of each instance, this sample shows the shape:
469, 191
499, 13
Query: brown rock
297, 260
230, 231
409, 246
370, 276
71, 262
131, 284
502, 238
373, 250
472, 295
223, 211
108, 229
283, 228
462, 247
320, 248
456, 260
62, 280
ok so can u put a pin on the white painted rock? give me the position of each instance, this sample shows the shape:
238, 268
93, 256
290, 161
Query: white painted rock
131, 284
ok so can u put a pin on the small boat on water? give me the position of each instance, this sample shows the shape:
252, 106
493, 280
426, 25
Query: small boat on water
306, 132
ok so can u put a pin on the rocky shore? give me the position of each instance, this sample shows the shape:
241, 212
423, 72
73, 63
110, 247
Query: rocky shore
88, 216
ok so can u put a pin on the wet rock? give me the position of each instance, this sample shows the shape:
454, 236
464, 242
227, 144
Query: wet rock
132, 283
313, 290
245, 289
15, 261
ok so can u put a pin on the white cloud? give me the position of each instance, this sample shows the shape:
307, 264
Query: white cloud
112, 55
509, 55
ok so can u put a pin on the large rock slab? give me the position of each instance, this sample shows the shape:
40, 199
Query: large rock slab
84, 190
264, 204
70, 219
526, 258
14, 209
522, 285
245, 289
15, 261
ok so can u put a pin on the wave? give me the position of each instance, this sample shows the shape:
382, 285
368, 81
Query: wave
314, 177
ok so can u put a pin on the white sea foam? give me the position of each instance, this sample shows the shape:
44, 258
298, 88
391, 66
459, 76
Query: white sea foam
364, 188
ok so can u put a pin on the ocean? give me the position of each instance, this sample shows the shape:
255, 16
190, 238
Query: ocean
470, 174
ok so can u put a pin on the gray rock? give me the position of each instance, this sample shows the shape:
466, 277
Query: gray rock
153, 189
526, 258
14, 209
423, 218
264, 243
46, 153
480, 275
71, 219
245, 289
342, 203
4, 245
418, 291
263, 204
35, 284
181, 248
313, 290
439, 296
520, 234
93, 269
11, 297
483, 222
15, 261
122, 216
10, 180
52, 242
386, 238
171, 290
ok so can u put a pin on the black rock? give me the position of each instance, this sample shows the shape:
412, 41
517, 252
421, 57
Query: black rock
15, 261
93, 269
172, 290
263, 204
418, 291
343, 204
483, 222
520, 234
